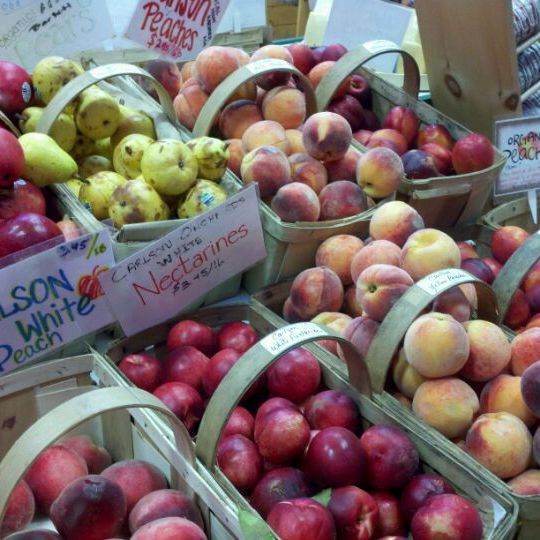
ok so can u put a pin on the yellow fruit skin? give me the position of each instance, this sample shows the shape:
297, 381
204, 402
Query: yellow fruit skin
97, 114
132, 121
97, 191
212, 156
200, 198
93, 164
128, 154
63, 130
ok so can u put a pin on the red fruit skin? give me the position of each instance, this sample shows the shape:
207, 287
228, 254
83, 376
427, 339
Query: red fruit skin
332, 408
404, 120
19, 511
237, 335
143, 370
479, 268
301, 519
192, 333
355, 513
16, 91
270, 405
506, 240
11, 159
441, 156
518, 312
303, 58
240, 462
435, 133
167, 73
170, 528
96, 457
494, 265
350, 108
218, 366
471, 153
185, 364
23, 197
333, 52
359, 88
391, 522
240, 422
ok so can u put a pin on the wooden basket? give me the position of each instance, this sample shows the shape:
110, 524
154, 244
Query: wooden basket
47, 401
267, 351
442, 201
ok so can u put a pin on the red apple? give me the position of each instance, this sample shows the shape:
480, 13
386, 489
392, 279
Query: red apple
240, 422
506, 240
332, 408
360, 89
192, 333
16, 90
184, 401
435, 133
473, 152
391, 522
240, 461
21, 198
237, 335
477, 267
11, 158
270, 405
218, 366
143, 370
185, 364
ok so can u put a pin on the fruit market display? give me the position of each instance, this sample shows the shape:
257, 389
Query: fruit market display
296, 449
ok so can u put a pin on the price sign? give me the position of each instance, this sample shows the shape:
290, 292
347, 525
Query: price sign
179, 30
160, 280
53, 298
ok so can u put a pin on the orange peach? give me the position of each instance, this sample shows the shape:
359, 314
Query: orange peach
501, 442
285, 105
407, 403
246, 91
326, 136
345, 167
350, 303
525, 350
455, 303
360, 332
296, 202
274, 78
186, 71
405, 377
532, 278
265, 133
319, 71
237, 116
447, 405
188, 104
236, 155
337, 253
342, 199
388, 138
436, 345
309, 171
379, 287
379, 172
526, 483
267, 166
395, 221
337, 321
213, 65
490, 351
506, 240
296, 144
427, 251
376, 252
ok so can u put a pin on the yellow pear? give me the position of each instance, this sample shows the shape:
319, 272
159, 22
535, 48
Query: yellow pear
74, 185
97, 190
135, 122
63, 130
97, 114
104, 148
93, 164
200, 198
128, 154
83, 147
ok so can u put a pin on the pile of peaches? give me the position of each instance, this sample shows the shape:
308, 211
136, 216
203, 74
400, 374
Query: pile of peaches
463, 377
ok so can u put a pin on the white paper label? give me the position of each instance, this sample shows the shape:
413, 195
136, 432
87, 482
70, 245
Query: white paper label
267, 64
280, 340
439, 282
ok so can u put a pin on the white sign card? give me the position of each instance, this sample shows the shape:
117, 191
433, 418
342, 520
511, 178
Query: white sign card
53, 27
53, 298
177, 29
157, 282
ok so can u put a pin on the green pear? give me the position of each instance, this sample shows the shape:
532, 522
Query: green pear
45, 162
128, 154
97, 191
93, 164
97, 114
63, 130
83, 147
136, 202
136, 122
169, 166
104, 148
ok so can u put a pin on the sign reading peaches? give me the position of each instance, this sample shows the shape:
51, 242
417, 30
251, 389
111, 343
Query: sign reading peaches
179, 29
53, 298
157, 282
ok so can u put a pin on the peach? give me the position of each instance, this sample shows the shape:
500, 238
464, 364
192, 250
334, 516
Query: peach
501, 442
506, 240
454, 303
188, 104
362, 136
326, 136
335, 320
376, 252
320, 71
345, 167
489, 353
289, 313
407, 403
169, 528
379, 172
342, 199
388, 138
214, 64
349, 108
427, 251
246, 91
534, 322
525, 350
285, 105
494, 265
51, 472
473, 152
236, 155
379, 287
296, 202
466, 250
96, 457
395, 221
350, 303
309, 171
302, 56
532, 278
435, 133
237, 116
268, 166
447, 405
315, 290
296, 144
19, 510
337, 253
360, 332
275, 78
404, 120
442, 157
436, 345
405, 377
186, 71
265, 133
530, 387
527, 483
503, 394
536, 445
519, 311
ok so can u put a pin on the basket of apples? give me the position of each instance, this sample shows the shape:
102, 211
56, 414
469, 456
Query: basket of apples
286, 435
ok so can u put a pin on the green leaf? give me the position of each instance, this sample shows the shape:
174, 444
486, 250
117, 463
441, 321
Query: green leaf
253, 526
323, 497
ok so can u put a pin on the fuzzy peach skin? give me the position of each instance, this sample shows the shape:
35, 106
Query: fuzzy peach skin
388, 138
236, 155
447, 405
337, 253
214, 64
296, 144
503, 394
395, 221
285, 105
350, 303
269, 167
379, 287
455, 303
379, 172
309, 171
265, 133
188, 104
436, 345
336, 321
345, 167
526, 483
376, 252
501, 442
489, 353
427, 251
525, 350
296, 202
237, 116
360, 332
326, 136
405, 377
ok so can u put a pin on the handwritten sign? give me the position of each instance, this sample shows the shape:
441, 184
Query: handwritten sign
160, 280
179, 30
439, 282
280, 340
53, 298
53, 27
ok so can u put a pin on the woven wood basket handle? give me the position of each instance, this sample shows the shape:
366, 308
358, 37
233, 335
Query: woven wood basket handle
513, 272
394, 326
355, 59
9, 124
251, 366
62, 419
241, 76
101, 73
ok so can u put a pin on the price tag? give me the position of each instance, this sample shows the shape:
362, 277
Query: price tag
179, 30
53, 298
439, 282
160, 280
280, 340
266, 64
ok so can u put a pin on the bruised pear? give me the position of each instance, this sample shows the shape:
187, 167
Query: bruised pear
98, 114
97, 190
83, 147
200, 198
212, 156
128, 154
132, 121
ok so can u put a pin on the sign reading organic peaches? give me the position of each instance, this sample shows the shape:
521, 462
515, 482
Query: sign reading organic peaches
179, 29
53, 298
157, 282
